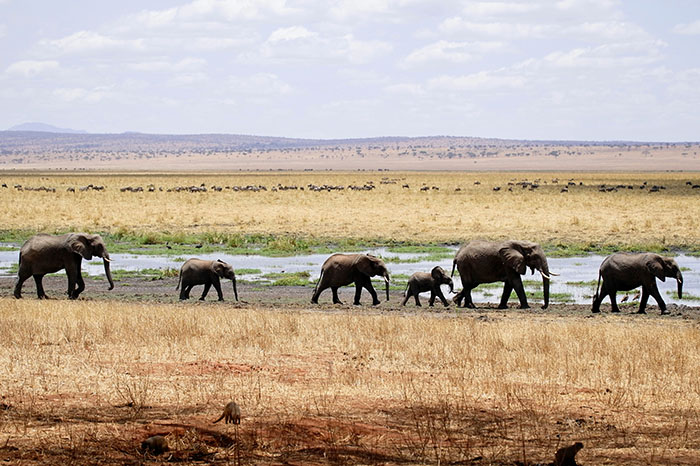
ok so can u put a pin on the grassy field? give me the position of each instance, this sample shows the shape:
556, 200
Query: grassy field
88, 381
583, 218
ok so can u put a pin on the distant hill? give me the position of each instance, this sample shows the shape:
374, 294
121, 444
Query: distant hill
44, 128
33, 149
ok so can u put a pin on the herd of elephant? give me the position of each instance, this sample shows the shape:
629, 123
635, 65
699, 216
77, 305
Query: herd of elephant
477, 262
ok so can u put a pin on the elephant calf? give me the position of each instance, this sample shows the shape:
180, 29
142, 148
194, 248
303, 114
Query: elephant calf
626, 271
207, 273
421, 282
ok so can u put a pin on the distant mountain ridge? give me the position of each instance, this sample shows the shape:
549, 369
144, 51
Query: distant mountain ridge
45, 128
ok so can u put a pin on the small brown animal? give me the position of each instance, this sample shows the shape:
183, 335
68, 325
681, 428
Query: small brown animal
155, 445
566, 456
231, 414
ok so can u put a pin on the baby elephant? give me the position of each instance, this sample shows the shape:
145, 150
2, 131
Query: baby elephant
422, 281
207, 273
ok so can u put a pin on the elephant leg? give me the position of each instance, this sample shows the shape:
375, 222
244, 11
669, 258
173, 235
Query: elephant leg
643, 300
358, 292
72, 271
520, 291
659, 300
183, 292
81, 286
217, 286
336, 300
415, 296
468, 297
39, 286
599, 299
431, 301
409, 293
613, 299
507, 290
442, 297
206, 290
322, 285
22, 276
365, 283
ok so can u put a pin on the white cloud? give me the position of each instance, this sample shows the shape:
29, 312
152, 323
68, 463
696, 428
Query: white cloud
259, 84
89, 41
503, 30
406, 89
161, 65
481, 81
290, 33
452, 52
31, 68
688, 28
78, 94
614, 55
488, 9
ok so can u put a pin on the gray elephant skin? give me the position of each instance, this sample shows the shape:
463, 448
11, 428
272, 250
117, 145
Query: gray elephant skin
205, 272
420, 282
487, 262
42, 254
344, 269
626, 271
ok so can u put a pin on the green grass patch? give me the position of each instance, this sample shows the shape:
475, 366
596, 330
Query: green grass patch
248, 271
289, 278
583, 283
553, 297
687, 296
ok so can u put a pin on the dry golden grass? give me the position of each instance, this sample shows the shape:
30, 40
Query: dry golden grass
87, 381
583, 215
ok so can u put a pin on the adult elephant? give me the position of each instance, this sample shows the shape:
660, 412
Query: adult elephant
205, 272
42, 254
487, 262
343, 269
625, 271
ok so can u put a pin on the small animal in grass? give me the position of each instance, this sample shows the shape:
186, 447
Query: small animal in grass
566, 456
231, 414
155, 445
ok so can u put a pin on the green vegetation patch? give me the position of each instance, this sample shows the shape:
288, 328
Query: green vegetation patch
289, 278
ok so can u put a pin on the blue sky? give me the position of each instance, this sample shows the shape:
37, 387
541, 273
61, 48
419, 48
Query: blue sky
540, 69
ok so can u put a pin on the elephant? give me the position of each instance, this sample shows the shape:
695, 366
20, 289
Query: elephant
421, 282
487, 262
342, 269
42, 254
205, 272
625, 271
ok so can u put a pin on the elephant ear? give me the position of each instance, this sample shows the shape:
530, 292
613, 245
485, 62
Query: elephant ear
513, 258
364, 264
437, 273
219, 267
78, 244
656, 267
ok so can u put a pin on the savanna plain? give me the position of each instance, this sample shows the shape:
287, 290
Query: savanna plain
86, 381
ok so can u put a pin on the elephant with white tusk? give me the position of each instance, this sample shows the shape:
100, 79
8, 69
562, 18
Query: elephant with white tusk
626, 271
42, 254
487, 262
343, 269
420, 282
205, 272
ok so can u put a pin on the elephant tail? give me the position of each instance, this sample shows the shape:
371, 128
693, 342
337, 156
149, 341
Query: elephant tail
319, 281
597, 288
179, 280
406, 290
454, 263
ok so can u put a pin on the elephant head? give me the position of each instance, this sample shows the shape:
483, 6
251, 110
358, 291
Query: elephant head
87, 246
224, 270
521, 255
373, 266
662, 267
440, 277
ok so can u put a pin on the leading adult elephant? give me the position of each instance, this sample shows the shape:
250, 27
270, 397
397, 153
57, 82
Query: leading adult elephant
624, 271
344, 269
42, 254
487, 262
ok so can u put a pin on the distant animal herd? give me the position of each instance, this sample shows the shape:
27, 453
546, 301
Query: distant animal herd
478, 262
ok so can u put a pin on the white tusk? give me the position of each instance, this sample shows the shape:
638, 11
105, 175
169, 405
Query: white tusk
105, 259
545, 275
554, 274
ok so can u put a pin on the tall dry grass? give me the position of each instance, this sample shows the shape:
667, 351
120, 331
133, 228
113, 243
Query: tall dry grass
583, 215
438, 387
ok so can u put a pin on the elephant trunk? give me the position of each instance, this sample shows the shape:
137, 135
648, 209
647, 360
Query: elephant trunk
106, 261
386, 284
235, 291
679, 279
452, 286
545, 284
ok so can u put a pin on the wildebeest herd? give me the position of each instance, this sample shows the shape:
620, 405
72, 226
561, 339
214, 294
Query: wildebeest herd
478, 262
